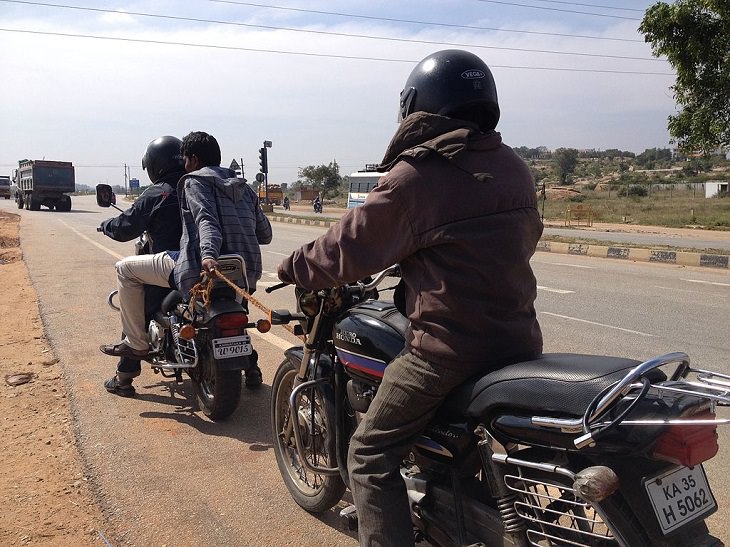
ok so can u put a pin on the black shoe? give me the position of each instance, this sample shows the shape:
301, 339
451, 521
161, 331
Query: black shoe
253, 377
123, 389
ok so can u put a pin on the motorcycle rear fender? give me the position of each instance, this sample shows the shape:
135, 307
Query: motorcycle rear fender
218, 307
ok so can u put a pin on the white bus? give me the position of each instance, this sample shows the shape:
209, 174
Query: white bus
361, 183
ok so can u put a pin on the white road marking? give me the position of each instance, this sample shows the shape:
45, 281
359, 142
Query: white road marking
689, 291
279, 254
597, 324
569, 265
558, 291
94, 243
707, 282
273, 339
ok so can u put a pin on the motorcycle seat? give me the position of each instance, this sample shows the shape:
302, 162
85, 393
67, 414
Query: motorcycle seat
556, 384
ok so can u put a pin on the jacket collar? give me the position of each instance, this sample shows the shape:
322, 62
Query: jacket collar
422, 133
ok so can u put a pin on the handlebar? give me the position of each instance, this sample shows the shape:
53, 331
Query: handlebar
353, 288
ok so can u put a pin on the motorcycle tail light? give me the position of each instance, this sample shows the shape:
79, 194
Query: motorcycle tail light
688, 445
231, 324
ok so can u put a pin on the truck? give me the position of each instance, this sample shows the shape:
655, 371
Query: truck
44, 182
276, 194
5, 187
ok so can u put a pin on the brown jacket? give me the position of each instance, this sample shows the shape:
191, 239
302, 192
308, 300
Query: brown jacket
458, 212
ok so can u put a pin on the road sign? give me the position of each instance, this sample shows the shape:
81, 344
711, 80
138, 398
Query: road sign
235, 166
133, 183
259, 177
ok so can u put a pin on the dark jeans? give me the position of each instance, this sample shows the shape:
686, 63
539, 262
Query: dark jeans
411, 391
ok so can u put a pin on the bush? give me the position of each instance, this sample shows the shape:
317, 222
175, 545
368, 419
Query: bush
638, 190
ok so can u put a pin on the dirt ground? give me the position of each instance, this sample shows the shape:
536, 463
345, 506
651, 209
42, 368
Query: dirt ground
46, 498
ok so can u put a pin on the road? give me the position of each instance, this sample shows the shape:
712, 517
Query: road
167, 476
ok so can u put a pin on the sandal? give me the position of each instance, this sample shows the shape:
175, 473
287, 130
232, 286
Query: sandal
123, 350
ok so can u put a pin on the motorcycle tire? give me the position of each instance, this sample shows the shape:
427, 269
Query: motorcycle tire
313, 492
217, 391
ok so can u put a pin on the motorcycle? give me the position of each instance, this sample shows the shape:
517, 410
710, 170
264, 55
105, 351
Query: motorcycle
564, 450
205, 338
317, 206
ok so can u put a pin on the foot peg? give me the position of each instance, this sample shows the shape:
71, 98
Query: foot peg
349, 514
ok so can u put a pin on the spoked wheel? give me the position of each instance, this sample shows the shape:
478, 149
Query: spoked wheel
314, 492
217, 391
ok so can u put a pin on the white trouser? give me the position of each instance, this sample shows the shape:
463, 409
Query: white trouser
133, 273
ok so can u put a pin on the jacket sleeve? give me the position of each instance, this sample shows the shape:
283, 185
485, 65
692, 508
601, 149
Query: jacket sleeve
367, 240
201, 202
263, 226
132, 222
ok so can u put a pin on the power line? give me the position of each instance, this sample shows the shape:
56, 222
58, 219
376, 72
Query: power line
590, 5
330, 33
306, 54
417, 22
503, 2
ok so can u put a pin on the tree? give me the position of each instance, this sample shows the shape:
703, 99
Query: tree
325, 179
695, 37
565, 160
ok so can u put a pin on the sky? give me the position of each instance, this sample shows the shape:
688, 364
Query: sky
93, 82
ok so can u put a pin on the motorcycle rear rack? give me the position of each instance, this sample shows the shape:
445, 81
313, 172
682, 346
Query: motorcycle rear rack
704, 384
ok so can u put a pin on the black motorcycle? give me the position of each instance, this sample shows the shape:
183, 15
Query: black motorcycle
565, 450
206, 338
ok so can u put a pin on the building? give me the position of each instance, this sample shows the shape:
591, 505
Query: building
715, 187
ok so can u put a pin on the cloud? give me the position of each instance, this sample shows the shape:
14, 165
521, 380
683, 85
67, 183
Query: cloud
317, 96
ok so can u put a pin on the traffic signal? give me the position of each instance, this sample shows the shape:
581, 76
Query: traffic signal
263, 160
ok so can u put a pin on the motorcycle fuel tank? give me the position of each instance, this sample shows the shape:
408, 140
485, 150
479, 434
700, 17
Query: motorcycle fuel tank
368, 337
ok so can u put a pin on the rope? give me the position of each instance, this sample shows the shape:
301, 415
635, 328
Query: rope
201, 291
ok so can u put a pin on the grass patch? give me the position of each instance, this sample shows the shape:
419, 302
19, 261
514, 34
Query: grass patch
675, 209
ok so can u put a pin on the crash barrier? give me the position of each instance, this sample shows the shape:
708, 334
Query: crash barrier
578, 214
682, 258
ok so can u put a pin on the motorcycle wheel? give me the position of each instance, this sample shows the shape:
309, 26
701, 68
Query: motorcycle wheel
312, 491
217, 391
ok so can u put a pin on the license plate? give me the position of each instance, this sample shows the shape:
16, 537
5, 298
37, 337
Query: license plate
233, 346
679, 496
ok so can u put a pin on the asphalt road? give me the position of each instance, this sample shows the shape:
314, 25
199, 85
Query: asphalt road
167, 476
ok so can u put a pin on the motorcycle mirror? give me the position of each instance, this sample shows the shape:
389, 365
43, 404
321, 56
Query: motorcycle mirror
105, 196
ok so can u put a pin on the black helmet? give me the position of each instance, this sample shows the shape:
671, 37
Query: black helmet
162, 157
452, 83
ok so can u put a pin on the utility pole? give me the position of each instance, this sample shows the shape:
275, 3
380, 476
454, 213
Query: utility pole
125, 179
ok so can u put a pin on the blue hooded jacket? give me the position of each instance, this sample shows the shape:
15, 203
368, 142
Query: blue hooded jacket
221, 214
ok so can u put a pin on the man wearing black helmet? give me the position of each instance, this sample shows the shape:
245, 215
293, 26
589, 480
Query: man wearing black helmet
467, 286
157, 212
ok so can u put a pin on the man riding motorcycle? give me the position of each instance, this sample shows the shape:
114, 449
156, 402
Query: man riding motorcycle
157, 212
469, 290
